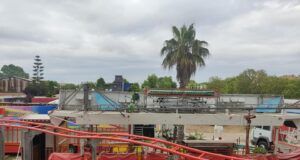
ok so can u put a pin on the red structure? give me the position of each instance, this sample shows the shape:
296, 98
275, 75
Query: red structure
2, 112
69, 156
166, 147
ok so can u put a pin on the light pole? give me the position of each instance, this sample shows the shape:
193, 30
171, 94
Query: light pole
248, 118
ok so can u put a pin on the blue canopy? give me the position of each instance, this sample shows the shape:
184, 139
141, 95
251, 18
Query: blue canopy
269, 105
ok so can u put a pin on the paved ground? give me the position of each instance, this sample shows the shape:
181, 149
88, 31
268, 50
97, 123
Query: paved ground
230, 133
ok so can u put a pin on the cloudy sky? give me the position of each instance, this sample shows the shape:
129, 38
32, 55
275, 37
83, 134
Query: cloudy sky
81, 40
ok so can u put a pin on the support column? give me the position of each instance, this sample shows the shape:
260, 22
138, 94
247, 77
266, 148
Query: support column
180, 134
248, 118
82, 141
2, 145
27, 138
94, 143
276, 140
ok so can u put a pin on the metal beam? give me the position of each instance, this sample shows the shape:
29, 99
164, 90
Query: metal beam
98, 117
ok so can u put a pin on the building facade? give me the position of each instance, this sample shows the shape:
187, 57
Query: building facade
13, 84
118, 84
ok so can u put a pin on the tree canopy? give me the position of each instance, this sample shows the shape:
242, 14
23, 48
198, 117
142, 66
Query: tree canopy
44, 88
153, 81
253, 81
185, 52
100, 84
38, 70
12, 70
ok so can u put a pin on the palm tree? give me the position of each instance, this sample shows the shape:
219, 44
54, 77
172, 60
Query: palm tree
185, 52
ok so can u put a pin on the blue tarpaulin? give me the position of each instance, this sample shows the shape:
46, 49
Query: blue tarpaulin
43, 109
269, 105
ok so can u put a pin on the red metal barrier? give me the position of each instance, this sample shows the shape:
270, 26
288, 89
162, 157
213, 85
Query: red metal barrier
158, 144
69, 156
87, 156
2, 112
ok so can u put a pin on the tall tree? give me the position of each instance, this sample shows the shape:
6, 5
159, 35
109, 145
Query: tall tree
151, 81
12, 70
134, 87
166, 82
185, 52
100, 84
38, 69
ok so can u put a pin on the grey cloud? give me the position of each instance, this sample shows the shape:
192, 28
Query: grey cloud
82, 40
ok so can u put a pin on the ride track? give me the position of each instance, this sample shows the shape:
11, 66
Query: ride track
155, 143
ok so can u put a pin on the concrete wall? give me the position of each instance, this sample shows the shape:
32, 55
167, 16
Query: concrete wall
224, 100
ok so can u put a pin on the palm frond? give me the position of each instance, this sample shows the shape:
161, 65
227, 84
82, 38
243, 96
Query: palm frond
176, 33
185, 52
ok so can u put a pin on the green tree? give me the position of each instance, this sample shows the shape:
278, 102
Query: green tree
91, 85
100, 84
44, 88
12, 70
192, 84
135, 87
151, 82
38, 69
166, 82
251, 81
216, 84
70, 86
185, 52
52, 88
230, 85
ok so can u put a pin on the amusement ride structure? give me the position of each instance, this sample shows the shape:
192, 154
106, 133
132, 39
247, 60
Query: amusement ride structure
156, 144
175, 107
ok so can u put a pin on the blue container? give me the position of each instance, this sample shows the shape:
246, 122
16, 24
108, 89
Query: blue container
43, 109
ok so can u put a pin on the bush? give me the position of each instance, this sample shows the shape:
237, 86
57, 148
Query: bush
259, 150
195, 136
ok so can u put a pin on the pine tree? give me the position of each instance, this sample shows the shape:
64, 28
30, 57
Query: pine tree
38, 69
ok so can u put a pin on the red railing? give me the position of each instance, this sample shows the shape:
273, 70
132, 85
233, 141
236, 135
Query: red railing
157, 144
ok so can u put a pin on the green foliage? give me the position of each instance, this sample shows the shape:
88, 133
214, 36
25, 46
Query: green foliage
12, 70
38, 69
70, 86
167, 133
125, 80
151, 82
166, 82
251, 81
192, 84
216, 84
259, 150
135, 97
159, 82
131, 107
195, 136
91, 85
185, 52
44, 88
257, 82
100, 84
52, 88
135, 87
